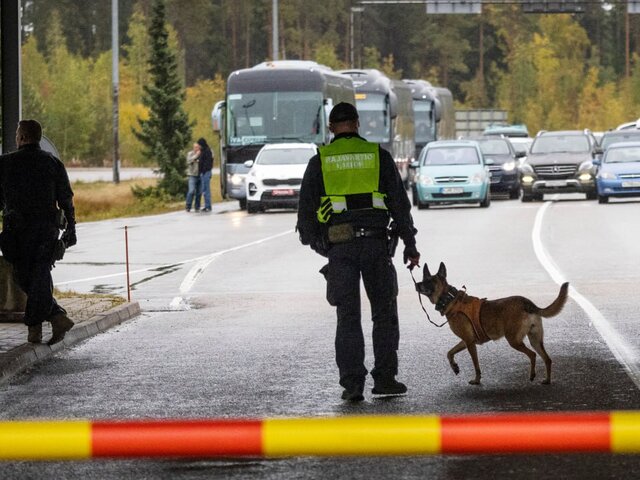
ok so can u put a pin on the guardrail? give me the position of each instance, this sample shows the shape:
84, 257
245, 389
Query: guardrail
597, 432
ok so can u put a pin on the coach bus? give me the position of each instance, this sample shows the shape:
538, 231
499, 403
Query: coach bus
385, 108
433, 112
273, 102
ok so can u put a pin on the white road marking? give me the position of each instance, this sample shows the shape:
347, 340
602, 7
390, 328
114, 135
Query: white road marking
194, 273
623, 352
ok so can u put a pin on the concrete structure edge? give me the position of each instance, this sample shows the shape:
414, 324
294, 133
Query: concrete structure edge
27, 355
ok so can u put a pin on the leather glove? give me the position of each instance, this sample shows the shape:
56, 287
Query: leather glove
411, 256
69, 238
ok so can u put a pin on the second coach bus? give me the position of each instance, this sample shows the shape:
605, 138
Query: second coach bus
385, 108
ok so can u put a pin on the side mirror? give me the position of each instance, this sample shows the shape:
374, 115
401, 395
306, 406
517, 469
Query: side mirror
415, 164
248, 163
597, 161
217, 115
521, 154
489, 161
598, 151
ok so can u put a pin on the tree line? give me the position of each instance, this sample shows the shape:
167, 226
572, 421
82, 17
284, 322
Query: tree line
548, 71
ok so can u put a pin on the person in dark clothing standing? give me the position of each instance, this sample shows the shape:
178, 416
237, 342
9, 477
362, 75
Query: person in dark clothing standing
349, 193
205, 166
34, 187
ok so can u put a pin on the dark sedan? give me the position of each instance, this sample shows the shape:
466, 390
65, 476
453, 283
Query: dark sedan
504, 170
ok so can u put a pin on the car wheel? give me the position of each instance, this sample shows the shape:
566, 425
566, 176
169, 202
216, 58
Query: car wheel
538, 197
243, 203
414, 196
486, 202
253, 207
592, 195
603, 199
514, 194
422, 205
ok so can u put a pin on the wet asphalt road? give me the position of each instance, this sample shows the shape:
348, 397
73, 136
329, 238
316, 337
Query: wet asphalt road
258, 338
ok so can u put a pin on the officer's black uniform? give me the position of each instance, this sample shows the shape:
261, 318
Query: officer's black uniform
33, 185
367, 256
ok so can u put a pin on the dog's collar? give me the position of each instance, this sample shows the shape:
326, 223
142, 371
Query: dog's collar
446, 298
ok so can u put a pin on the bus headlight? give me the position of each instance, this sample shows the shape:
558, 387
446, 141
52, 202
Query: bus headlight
236, 179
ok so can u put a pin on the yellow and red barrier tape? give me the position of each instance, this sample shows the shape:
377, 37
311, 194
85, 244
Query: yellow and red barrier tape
613, 432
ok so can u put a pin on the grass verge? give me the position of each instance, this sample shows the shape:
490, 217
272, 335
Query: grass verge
105, 200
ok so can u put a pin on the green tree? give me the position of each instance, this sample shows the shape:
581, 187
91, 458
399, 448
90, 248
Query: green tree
167, 131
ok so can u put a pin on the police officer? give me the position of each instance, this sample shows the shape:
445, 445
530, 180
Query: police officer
33, 187
349, 192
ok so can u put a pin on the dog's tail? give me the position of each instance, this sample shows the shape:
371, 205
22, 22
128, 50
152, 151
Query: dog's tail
555, 308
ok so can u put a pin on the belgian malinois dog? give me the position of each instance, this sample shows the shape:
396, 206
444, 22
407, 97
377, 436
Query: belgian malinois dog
510, 317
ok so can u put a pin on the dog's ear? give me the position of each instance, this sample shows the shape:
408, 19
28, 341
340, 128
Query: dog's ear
442, 271
425, 271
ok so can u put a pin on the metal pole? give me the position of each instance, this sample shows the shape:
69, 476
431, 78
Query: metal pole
11, 74
126, 252
275, 34
351, 63
115, 54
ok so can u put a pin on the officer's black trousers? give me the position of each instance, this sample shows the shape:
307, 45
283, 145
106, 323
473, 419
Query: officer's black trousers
32, 271
366, 257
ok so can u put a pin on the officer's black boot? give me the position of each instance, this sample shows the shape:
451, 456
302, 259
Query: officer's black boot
353, 394
60, 325
389, 387
35, 333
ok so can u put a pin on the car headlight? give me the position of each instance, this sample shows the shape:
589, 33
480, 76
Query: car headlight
606, 176
588, 165
477, 178
508, 166
526, 168
424, 180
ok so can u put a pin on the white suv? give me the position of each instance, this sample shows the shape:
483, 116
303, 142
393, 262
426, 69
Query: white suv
276, 174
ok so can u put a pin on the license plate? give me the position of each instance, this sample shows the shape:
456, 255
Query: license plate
630, 184
556, 183
452, 190
282, 193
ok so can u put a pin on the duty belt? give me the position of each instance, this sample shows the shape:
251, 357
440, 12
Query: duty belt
370, 233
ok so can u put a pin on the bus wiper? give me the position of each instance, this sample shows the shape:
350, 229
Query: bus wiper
246, 107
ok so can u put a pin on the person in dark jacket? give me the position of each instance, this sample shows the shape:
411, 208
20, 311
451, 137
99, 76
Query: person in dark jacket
205, 166
33, 187
349, 193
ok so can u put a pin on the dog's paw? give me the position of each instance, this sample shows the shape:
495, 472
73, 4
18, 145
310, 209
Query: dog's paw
455, 368
531, 377
475, 381
546, 381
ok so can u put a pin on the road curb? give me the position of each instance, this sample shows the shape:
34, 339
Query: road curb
24, 356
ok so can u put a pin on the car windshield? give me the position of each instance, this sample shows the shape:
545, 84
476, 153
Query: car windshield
622, 155
451, 156
494, 147
625, 137
289, 156
560, 144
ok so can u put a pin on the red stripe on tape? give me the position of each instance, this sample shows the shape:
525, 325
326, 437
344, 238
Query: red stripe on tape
535, 433
191, 438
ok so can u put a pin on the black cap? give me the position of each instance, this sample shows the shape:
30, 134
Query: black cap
343, 112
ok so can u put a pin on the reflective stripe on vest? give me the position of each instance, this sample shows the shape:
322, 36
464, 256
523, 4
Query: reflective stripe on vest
350, 166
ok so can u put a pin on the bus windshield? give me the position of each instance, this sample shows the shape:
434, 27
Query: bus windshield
272, 117
423, 121
374, 117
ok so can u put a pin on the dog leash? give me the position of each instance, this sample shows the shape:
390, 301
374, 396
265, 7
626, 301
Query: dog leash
421, 304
